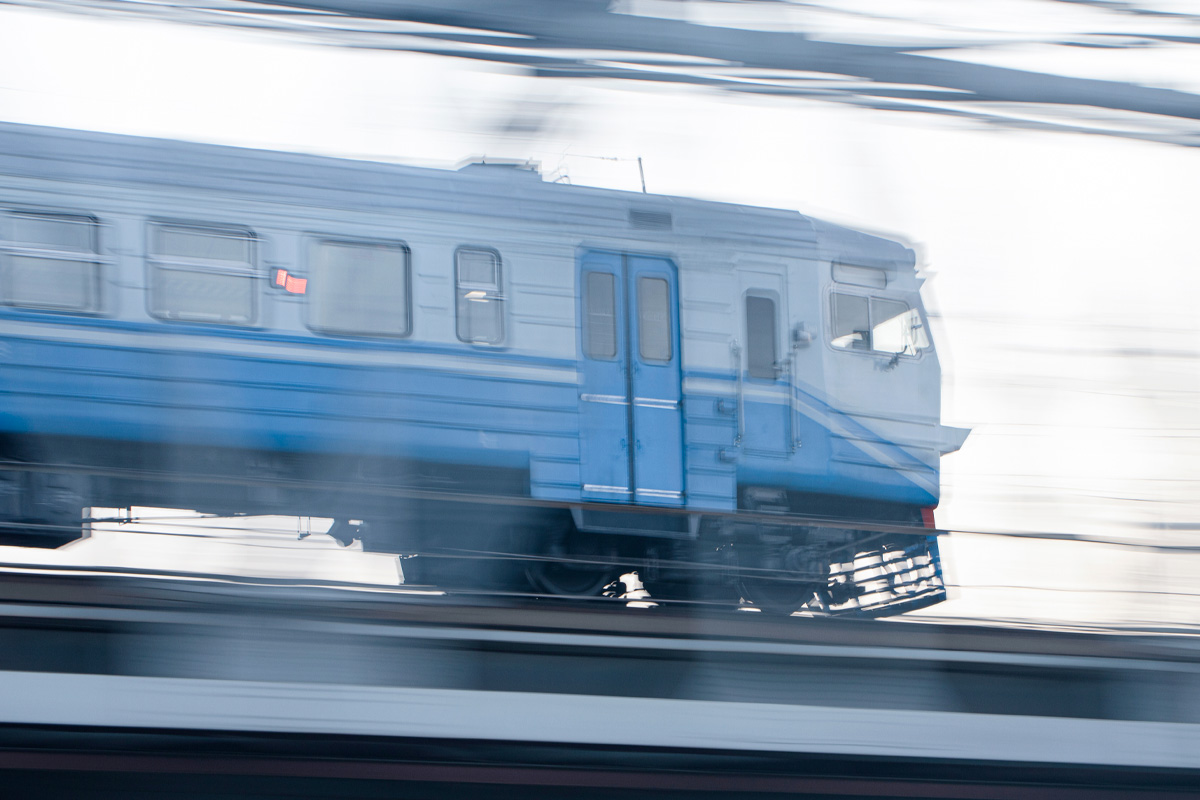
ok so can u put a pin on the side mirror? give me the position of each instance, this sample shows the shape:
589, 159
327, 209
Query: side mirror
801, 337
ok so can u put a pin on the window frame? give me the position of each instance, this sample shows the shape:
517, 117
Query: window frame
499, 296
670, 328
616, 310
154, 263
869, 297
773, 296
314, 287
11, 247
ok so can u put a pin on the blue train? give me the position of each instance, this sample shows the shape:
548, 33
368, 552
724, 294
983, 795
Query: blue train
462, 363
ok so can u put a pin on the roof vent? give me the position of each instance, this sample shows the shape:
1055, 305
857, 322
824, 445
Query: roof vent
650, 220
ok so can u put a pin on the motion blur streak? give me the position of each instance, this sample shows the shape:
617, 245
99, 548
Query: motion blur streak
953, 62
337, 476
144, 677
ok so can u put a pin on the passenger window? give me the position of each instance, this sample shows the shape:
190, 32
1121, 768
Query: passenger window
51, 262
761, 337
480, 303
600, 303
359, 288
877, 324
654, 319
202, 273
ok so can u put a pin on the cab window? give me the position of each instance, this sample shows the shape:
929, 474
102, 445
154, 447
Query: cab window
876, 324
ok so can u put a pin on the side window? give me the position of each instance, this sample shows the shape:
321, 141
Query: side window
851, 322
891, 326
877, 324
50, 262
600, 309
202, 273
480, 304
654, 319
761, 337
359, 288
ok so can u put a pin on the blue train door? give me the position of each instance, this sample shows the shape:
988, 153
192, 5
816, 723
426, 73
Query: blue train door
630, 396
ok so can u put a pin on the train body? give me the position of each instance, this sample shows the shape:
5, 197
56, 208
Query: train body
241, 331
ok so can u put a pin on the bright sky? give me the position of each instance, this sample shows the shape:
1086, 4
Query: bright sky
1064, 267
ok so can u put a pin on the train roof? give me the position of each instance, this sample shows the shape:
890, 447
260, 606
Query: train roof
503, 191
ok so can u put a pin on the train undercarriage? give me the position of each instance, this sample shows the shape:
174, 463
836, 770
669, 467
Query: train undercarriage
472, 530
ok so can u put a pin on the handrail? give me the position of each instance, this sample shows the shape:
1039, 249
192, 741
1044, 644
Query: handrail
793, 388
736, 351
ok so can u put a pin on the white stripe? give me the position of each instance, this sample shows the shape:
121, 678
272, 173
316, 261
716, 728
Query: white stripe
666, 493
654, 402
118, 701
308, 350
592, 487
611, 399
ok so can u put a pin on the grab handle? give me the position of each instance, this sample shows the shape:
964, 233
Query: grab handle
735, 351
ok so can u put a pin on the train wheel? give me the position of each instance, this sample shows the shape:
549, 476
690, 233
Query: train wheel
782, 596
780, 574
567, 562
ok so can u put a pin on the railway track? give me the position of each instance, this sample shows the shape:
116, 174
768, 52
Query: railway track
256, 687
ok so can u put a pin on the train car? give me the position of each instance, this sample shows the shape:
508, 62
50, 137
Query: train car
457, 363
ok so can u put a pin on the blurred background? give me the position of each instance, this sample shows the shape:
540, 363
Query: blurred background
1040, 155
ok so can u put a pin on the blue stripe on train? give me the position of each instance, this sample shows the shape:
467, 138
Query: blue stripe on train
83, 388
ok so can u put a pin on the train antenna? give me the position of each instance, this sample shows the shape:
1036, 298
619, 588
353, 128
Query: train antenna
641, 171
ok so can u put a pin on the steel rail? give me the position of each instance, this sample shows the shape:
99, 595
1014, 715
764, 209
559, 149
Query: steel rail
179, 599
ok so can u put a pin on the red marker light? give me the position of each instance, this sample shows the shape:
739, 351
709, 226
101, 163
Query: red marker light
289, 283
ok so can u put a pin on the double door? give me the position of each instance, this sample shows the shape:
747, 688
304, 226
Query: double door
631, 417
